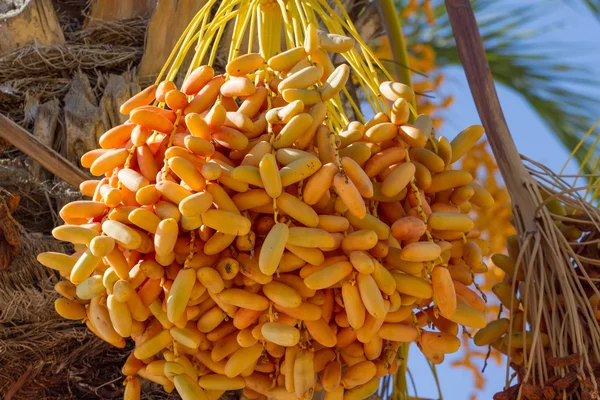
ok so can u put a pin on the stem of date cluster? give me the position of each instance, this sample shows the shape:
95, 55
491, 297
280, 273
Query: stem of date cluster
368, 52
188, 259
400, 385
336, 24
175, 349
289, 32
300, 189
177, 46
431, 139
356, 109
270, 314
276, 374
417, 326
334, 137
373, 204
254, 7
241, 22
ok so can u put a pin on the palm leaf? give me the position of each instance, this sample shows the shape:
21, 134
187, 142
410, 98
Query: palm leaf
592, 5
558, 88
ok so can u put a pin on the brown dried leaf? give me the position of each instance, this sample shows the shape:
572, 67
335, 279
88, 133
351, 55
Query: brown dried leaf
552, 379
9, 227
587, 384
13, 202
4, 145
564, 361
5, 253
502, 396
586, 395
10, 231
509, 394
549, 392
571, 391
531, 392
566, 381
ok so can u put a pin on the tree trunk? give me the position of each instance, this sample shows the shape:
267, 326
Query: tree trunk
44, 131
25, 22
118, 89
116, 10
168, 22
83, 119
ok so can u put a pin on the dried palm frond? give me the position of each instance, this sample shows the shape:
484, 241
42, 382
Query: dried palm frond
559, 276
60, 59
128, 32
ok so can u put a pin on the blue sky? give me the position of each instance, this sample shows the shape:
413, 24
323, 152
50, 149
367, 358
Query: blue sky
573, 26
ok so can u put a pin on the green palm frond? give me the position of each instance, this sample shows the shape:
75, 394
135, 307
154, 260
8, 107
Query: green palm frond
592, 5
557, 87
560, 89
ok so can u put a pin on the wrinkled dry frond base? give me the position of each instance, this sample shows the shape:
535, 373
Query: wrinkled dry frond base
44, 72
32, 75
560, 276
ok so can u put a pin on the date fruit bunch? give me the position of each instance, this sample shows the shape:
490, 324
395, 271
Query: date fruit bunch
242, 240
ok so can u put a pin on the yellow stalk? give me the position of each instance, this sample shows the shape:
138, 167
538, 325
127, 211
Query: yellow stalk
587, 134
213, 52
366, 49
197, 58
219, 29
300, 9
289, 34
238, 32
353, 58
296, 29
333, 117
585, 160
205, 38
398, 44
368, 97
350, 27
298, 40
310, 14
255, 5
175, 50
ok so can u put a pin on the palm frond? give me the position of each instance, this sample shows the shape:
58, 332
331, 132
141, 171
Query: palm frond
559, 88
592, 5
